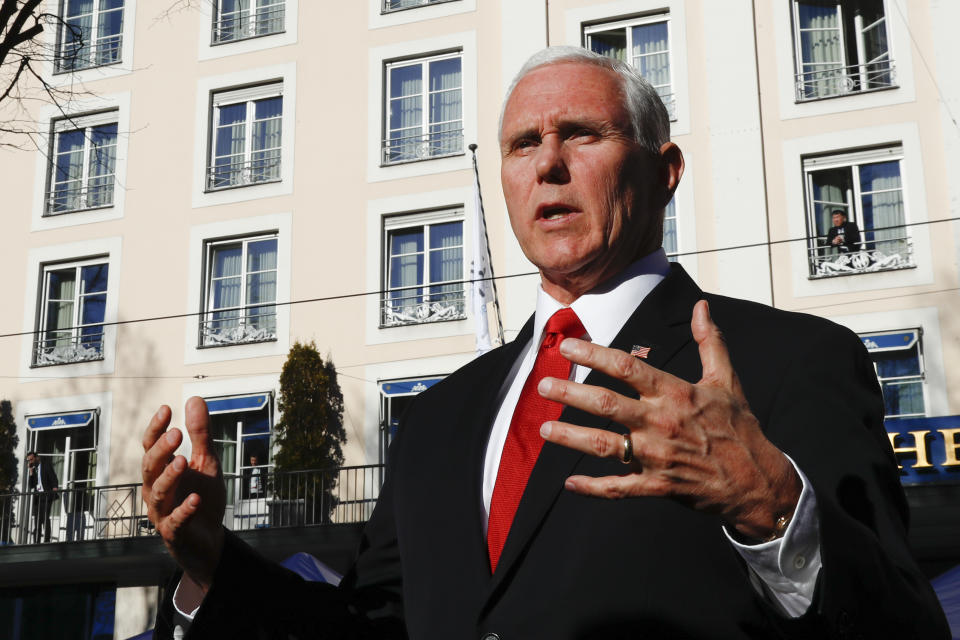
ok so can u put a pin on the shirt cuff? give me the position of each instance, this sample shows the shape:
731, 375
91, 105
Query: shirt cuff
786, 569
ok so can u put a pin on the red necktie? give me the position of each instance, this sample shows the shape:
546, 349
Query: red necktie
523, 442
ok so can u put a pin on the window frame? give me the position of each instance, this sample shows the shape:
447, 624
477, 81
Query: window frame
248, 95
77, 326
867, 260
853, 74
627, 24
424, 62
254, 18
95, 24
207, 289
921, 377
87, 122
424, 220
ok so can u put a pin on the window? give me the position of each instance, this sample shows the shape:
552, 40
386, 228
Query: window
397, 5
423, 268
644, 43
242, 428
83, 163
670, 244
246, 138
898, 359
242, 19
842, 47
424, 109
866, 185
395, 397
72, 308
91, 34
240, 291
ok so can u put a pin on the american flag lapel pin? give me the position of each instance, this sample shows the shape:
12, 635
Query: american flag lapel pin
639, 351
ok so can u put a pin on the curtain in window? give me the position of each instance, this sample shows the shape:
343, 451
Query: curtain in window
229, 144
77, 35
830, 188
446, 117
821, 48
93, 305
262, 284
226, 269
61, 296
102, 163
610, 44
109, 32
446, 263
265, 157
68, 171
269, 16
883, 211
406, 111
651, 55
406, 268
234, 19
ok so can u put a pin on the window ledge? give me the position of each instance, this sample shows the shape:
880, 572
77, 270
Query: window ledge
258, 36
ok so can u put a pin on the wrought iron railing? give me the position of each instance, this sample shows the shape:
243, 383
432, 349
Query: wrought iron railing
275, 500
238, 325
65, 347
96, 194
874, 255
828, 81
240, 174
389, 6
431, 303
422, 146
250, 23
79, 54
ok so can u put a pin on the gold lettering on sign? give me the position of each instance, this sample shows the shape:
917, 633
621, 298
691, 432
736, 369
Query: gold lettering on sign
950, 447
919, 448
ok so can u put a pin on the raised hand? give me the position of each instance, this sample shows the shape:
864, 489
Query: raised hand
185, 501
698, 443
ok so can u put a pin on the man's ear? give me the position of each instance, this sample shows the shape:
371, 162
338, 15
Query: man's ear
671, 170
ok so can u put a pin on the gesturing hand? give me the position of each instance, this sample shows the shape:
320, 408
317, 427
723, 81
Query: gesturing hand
695, 443
185, 502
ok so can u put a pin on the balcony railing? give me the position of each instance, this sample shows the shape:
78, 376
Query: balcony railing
240, 25
829, 81
224, 175
423, 146
408, 306
238, 326
67, 347
389, 6
670, 102
79, 54
276, 500
63, 199
876, 255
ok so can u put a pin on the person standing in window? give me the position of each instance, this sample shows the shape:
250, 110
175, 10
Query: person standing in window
43, 485
844, 235
253, 479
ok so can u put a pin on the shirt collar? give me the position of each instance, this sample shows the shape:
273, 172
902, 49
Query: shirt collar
604, 310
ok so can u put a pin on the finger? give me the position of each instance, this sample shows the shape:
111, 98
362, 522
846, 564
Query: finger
598, 401
170, 526
615, 487
164, 488
597, 442
617, 364
197, 420
713, 350
158, 456
158, 424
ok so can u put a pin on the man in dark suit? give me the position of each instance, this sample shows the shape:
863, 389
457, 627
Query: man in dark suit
843, 235
557, 488
42, 483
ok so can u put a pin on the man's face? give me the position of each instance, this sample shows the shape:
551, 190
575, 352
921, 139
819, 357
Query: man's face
582, 195
31, 461
838, 219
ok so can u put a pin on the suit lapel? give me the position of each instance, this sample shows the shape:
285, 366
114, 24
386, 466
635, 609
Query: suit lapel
661, 322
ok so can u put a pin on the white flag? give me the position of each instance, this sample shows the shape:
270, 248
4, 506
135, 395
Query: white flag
482, 289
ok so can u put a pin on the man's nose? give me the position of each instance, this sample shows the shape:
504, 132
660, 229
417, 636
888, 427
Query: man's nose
551, 164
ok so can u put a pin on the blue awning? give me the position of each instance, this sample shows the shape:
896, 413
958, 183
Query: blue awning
236, 404
61, 420
890, 341
407, 387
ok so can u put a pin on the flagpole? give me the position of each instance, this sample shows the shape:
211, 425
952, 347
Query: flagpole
483, 219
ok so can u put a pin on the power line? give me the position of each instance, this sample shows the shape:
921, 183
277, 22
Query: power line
381, 292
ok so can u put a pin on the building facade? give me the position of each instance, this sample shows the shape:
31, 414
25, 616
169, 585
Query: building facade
219, 186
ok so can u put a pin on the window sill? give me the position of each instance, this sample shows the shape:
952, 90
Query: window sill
65, 72
390, 12
258, 36
43, 365
236, 343
233, 187
847, 94
384, 165
57, 214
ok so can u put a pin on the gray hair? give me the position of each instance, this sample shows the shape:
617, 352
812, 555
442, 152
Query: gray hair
651, 123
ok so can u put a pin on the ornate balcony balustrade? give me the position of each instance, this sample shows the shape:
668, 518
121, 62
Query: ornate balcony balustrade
238, 325
415, 306
65, 347
875, 255
240, 25
265, 168
79, 54
96, 194
828, 81
423, 146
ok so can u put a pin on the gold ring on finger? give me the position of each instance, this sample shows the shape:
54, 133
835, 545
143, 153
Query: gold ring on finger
627, 450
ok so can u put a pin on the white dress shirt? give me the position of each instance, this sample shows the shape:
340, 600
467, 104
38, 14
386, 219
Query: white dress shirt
786, 569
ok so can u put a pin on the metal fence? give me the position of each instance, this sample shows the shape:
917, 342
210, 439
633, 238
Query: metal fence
63, 346
97, 193
389, 6
422, 146
265, 167
249, 23
828, 80
79, 54
258, 498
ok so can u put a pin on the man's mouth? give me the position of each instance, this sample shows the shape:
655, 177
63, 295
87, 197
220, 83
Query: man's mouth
554, 211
